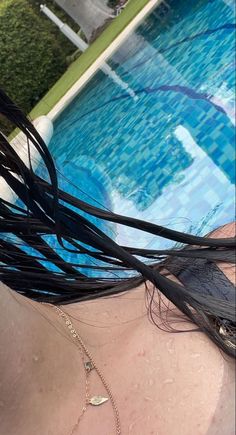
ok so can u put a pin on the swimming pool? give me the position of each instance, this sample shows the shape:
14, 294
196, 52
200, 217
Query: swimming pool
167, 154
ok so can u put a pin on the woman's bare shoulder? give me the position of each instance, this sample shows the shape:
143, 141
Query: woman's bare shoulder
219, 368
227, 230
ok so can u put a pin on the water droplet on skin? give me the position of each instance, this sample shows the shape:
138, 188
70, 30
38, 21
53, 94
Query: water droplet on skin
136, 386
168, 381
151, 381
35, 358
141, 352
169, 345
195, 355
148, 399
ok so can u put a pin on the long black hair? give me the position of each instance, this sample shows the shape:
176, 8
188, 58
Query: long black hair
40, 208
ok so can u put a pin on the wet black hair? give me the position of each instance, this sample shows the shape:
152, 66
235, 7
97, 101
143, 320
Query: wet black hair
42, 208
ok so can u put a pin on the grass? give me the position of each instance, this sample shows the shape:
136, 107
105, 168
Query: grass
77, 68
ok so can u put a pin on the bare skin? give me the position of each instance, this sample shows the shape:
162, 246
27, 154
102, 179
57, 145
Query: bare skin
163, 383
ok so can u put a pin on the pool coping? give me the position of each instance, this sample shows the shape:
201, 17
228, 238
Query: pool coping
93, 68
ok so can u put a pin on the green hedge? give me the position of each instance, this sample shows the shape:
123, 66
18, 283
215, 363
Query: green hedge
52, 28
32, 58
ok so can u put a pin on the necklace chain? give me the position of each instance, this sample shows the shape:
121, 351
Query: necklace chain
88, 366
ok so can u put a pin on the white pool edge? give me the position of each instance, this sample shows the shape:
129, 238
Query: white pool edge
44, 126
81, 82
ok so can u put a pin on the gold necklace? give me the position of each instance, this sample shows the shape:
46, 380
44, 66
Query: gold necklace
88, 367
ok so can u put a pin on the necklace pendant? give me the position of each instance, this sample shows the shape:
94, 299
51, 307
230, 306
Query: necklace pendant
98, 400
88, 366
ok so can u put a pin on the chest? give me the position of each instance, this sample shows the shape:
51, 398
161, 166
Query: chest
177, 386
162, 384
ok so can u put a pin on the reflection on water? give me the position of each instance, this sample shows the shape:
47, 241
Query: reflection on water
169, 156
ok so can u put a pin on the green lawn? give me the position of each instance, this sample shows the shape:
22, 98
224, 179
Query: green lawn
77, 68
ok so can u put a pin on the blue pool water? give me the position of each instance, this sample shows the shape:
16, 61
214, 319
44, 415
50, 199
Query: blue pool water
167, 155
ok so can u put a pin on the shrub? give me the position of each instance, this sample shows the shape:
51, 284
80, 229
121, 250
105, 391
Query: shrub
64, 42
31, 58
